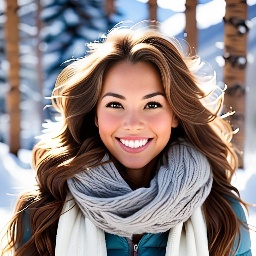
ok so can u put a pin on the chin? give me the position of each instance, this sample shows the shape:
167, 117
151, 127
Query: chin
136, 165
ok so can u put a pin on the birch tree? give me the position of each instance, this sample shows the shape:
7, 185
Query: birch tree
235, 44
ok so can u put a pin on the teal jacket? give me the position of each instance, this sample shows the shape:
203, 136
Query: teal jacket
155, 244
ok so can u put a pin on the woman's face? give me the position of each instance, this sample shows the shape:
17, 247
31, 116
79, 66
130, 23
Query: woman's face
133, 114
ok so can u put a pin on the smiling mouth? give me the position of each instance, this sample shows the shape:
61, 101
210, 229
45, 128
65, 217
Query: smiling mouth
134, 143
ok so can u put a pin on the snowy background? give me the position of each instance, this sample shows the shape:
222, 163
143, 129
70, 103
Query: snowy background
15, 172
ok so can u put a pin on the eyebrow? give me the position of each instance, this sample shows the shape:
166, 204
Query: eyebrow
151, 95
113, 95
148, 96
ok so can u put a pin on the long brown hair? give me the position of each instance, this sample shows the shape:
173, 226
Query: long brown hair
73, 143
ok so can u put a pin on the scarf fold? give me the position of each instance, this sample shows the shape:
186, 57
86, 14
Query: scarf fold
181, 185
78, 236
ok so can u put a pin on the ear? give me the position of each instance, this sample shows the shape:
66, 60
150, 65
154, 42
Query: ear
96, 121
175, 121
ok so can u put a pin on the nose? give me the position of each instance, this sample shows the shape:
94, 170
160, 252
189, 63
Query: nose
133, 120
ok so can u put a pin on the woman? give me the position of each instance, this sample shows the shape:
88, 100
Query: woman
140, 162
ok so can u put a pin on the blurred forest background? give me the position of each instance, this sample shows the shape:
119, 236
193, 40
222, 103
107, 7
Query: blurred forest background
38, 38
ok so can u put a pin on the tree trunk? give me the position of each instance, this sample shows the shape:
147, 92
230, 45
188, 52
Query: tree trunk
39, 67
12, 54
152, 5
191, 28
109, 7
234, 74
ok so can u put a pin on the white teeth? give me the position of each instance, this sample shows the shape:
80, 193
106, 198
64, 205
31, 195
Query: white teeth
134, 143
137, 144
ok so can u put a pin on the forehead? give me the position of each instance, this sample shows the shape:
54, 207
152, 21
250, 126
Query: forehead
126, 76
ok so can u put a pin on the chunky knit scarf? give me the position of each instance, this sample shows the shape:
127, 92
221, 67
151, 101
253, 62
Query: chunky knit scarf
108, 204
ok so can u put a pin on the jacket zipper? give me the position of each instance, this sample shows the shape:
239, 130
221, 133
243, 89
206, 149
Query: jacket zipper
133, 247
135, 250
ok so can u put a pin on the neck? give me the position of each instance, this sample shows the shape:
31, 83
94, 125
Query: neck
141, 177
137, 178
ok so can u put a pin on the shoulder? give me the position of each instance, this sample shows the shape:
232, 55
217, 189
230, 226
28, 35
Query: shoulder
244, 248
27, 232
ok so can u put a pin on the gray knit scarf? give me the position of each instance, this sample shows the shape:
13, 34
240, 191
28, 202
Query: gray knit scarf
181, 185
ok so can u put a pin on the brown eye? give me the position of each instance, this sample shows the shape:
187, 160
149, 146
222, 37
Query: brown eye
153, 104
114, 105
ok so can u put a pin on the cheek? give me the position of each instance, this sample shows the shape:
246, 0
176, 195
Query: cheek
161, 123
107, 123
161, 126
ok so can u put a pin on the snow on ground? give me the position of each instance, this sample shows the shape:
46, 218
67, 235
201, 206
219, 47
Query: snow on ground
16, 175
